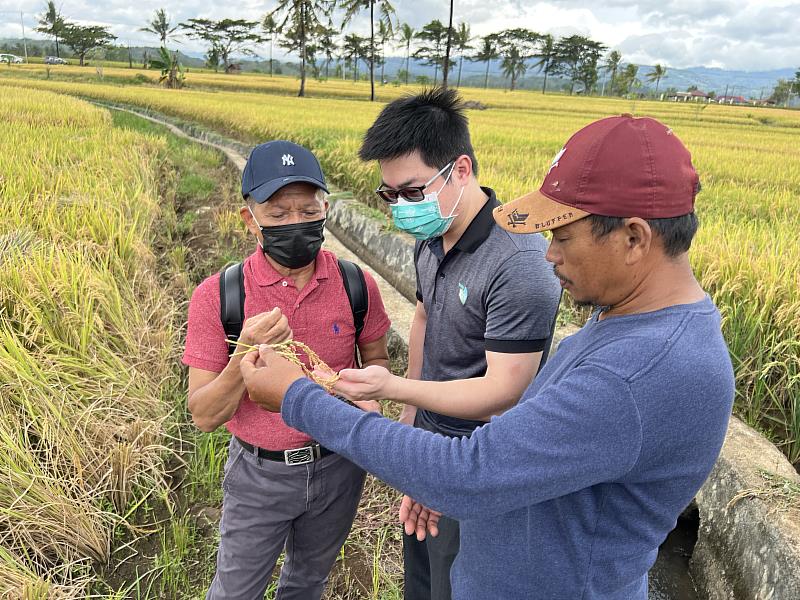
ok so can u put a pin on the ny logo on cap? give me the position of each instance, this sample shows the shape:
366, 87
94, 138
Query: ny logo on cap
288, 160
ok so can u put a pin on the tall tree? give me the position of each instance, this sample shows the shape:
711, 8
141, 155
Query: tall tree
303, 18
462, 41
229, 36
576, 58
51, 22
160, 26
407, 34
546, 53
326, 37
627, 80
487, 53
271, 31
516, 47
657, 74
83, 39
387, 16
356, 48
450, 33
212, 58
611, 65
432, 38
513, 65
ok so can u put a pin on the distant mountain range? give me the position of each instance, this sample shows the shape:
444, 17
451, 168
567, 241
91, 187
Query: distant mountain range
755, 84
749, 84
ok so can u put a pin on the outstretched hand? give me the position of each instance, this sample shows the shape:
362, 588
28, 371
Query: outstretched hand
418, 518
268, 376
361, 385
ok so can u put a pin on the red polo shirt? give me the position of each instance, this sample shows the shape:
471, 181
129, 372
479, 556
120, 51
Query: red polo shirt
319, 315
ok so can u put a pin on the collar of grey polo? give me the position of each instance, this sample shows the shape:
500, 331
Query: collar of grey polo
481, 226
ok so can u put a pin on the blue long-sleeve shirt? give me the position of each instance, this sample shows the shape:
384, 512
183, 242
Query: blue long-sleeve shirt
569, 494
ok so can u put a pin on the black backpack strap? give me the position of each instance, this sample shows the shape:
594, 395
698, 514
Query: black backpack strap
231, 302
356, 288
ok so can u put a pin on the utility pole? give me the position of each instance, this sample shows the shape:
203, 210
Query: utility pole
24, 40
130, 58
725, 95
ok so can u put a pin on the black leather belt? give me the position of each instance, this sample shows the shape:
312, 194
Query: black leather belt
295, 456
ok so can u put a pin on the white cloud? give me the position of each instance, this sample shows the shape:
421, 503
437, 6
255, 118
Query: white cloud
732, 34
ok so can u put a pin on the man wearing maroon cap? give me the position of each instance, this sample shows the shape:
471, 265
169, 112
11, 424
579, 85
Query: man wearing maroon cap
570, 493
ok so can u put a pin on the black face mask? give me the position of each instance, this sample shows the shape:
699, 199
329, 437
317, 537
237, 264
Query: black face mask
295, 245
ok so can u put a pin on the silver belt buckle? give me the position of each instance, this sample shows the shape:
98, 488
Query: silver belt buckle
301, 456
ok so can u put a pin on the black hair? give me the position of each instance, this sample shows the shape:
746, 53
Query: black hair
432, 123
676, 233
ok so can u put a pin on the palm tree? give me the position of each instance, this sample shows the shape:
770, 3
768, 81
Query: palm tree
546, 55
431, 37
304, 18
160, 26
487, 54
387, 15
462, 40
354, 50
51, 23
270, 27
326, 38
611, 65
407, 35
516, 46
656, 75
513, 65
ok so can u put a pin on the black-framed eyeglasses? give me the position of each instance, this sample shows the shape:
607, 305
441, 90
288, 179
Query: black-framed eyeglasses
412, 193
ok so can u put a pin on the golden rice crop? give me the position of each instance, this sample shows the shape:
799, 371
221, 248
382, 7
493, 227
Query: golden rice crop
86, 338
746, 254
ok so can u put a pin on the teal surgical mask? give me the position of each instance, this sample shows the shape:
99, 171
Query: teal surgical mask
424, 219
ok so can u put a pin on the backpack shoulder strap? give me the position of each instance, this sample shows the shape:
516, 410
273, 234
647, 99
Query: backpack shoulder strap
356, 288
231, 301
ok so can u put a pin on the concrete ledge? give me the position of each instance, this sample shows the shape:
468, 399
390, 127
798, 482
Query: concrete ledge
390, 254
750, 550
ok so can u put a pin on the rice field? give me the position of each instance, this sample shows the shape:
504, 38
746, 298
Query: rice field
746, 253
87, 340
89, 333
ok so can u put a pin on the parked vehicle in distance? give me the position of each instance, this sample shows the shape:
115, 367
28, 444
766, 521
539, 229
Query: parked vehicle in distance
11, 59
55, 60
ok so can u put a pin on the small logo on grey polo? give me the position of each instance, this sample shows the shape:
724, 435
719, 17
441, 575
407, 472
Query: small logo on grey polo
288, 160
463, 292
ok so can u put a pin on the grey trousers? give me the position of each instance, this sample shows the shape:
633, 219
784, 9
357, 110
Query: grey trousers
427, 564
267, 505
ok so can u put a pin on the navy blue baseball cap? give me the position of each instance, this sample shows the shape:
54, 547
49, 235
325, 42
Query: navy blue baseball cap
275, 164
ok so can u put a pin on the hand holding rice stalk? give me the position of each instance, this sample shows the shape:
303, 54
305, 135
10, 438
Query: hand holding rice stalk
318, 371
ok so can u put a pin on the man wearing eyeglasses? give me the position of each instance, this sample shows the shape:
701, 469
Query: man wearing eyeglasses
486, 299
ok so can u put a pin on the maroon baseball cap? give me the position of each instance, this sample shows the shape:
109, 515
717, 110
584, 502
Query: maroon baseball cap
615, 167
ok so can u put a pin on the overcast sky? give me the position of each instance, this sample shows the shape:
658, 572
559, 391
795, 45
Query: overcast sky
731, 34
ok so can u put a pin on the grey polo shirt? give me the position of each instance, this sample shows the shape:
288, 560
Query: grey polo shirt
492, 291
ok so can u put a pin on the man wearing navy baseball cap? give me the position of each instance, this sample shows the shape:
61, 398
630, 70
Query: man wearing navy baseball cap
282, 489
570, 493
